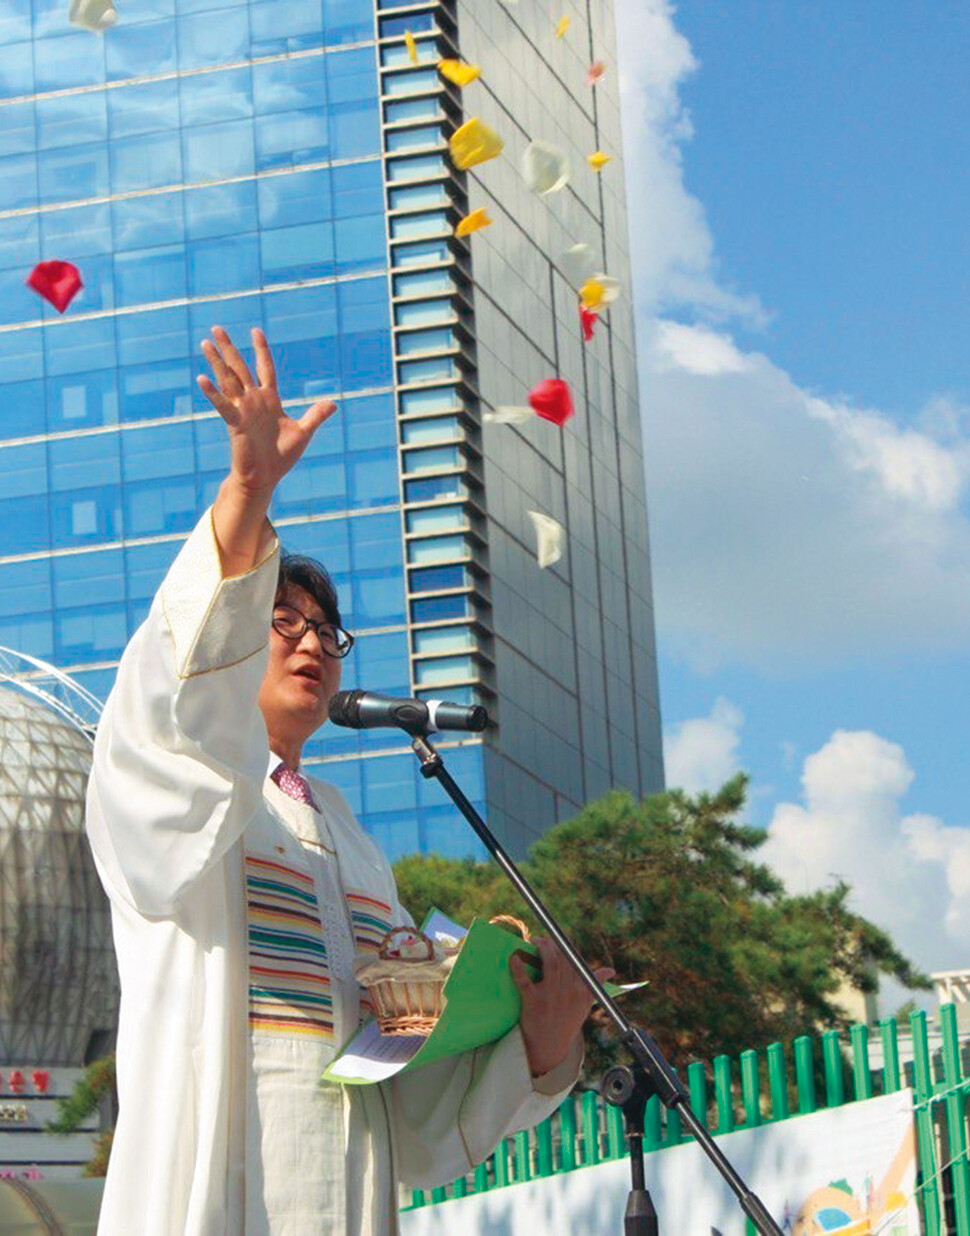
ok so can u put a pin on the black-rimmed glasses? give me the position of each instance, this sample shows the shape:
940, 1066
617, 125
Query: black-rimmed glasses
292, 624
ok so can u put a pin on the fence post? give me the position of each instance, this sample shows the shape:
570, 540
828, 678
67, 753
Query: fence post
544, 1147
523, 1167
503, 1174
439, 1194
651, 1125
459, 1188
481, 1178
697, 1083
861, 1076
926, 1141
722, 1094
615, 1135
417, 1198
832, 1063
778, 1081
804, 1075
956, 1101
591, 1128
891, 1076
567, 1128
750, 1088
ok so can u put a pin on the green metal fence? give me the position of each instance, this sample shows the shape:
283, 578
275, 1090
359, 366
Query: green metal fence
732, 1095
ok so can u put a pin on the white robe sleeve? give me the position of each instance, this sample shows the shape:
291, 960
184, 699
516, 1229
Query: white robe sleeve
180, 755
450, 1115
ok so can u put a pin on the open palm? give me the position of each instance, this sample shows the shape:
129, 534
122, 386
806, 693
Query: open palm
264, 442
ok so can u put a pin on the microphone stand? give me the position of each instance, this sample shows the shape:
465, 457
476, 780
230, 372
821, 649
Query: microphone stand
652, 1073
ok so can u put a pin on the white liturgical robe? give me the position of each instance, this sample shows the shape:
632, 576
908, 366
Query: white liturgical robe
237, 913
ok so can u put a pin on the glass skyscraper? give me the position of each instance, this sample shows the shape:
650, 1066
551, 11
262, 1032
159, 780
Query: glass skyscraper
284, 163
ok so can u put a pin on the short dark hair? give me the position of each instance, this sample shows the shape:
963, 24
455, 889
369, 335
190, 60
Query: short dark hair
297, 571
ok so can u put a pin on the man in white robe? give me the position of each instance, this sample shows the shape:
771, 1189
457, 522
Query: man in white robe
240, 893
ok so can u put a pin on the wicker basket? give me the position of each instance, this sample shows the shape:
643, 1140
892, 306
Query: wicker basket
405, 1004
516, 925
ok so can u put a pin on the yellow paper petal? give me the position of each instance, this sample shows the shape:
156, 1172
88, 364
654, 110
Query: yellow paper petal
598, 160
598, 292
563, 26
505, 414
475, 142
545, 167
412, 47
457, 73
551, 538
473, 222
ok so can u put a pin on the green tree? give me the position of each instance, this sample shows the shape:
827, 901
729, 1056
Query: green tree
670, 890
90, 1091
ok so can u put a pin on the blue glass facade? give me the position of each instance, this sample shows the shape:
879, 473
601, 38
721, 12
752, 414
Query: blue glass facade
279, 164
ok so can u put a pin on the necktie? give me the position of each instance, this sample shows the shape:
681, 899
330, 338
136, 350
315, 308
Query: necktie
293, 785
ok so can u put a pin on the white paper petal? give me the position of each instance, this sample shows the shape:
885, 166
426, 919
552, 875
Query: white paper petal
611, 288
505, 415
94, 15
578, 264
545, 167
551, 537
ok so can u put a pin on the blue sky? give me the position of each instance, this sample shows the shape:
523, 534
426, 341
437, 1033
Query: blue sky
798, 177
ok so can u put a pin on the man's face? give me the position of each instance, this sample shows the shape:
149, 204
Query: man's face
300, 678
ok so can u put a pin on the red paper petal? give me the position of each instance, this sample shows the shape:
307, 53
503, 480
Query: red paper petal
552, 400
58, 282
588, 318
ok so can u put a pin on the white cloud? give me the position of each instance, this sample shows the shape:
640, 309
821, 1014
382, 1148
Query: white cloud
696, 349
702, 753
910, 874
784, 525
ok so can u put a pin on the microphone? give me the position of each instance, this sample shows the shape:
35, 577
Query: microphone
364, 710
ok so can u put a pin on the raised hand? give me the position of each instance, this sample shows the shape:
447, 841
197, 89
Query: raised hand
264, 442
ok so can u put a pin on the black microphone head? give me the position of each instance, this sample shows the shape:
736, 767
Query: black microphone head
478, 719
344, 708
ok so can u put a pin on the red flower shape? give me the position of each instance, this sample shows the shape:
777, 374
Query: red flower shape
58, 282
41, 1079
587, 318
16, 1081
551, 399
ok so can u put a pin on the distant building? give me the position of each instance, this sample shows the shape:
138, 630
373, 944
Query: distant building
285, 165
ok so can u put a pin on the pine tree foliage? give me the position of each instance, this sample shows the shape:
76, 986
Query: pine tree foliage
670, 890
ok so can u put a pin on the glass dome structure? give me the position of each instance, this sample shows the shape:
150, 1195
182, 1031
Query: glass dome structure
58, 978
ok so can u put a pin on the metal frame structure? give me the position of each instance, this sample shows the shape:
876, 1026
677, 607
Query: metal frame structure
58, 979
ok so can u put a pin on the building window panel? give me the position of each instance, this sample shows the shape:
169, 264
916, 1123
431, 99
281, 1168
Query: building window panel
413, 197
432, 458
421, 254
433, 369
425, 341
410, 139
407, 110
438, 579
436, 487
437, 399
444, 669
414, 82
439, 609
408, 227
443, 639
438, 429
436, 549
419, 168
436, 519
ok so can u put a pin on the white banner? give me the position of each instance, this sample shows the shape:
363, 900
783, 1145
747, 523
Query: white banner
851, 1171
